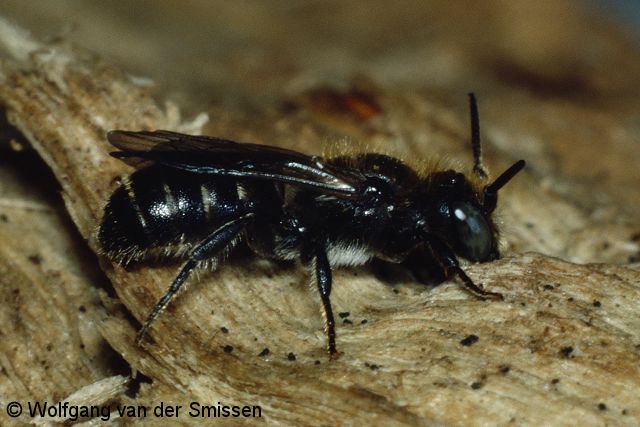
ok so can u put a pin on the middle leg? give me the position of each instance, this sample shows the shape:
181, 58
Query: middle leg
321, 274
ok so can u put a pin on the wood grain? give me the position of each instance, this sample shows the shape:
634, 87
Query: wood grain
561, 348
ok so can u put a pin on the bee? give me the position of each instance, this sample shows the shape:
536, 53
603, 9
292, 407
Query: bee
195, 197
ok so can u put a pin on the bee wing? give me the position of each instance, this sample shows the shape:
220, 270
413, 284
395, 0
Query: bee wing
216, 156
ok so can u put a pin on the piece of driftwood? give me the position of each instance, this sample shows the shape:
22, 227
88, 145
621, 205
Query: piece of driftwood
561, 348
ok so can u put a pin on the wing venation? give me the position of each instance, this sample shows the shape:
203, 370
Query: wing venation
217, 156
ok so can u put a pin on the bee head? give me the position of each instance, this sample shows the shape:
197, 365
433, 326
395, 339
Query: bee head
455, 213
463, 215
468, 211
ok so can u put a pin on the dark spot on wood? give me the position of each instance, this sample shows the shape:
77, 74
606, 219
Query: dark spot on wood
317, 362
548, 287
602, 406
364, 321
288, 107
49, 347
264, 353
347, 322
597, 303
82, 309
477, 385
4, 218
371, 366
291, 357
344, 314
35, 259
566, 351
504, 369
224, 330
469, 340
529, 225
555, 381
624, 412
227, 348
396, 291
570, 299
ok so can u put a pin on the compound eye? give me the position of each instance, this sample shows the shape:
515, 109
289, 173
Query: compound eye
474, 234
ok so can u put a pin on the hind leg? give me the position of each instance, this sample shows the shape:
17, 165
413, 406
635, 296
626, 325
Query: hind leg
209, 248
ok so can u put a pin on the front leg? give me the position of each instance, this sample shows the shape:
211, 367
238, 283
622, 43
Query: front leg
449, 263
321, 273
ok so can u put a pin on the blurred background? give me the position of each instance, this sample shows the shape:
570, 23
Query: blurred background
225, 52
557, 81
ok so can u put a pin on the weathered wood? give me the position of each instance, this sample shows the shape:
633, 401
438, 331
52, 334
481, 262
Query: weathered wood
560, 349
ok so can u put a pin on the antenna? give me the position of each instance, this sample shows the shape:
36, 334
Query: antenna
491, 190
478, 168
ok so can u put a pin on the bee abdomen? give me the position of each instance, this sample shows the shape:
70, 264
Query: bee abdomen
163, 210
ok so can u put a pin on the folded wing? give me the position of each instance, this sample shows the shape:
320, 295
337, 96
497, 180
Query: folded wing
216, 156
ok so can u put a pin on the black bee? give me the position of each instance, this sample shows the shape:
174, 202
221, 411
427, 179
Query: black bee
195, 197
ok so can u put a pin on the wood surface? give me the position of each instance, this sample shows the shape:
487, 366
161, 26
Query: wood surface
556, 86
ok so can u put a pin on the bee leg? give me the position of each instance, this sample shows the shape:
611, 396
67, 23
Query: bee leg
322, 275
449, 263
216, 242
424, 268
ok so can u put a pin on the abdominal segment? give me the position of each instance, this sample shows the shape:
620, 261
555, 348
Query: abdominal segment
163, 211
